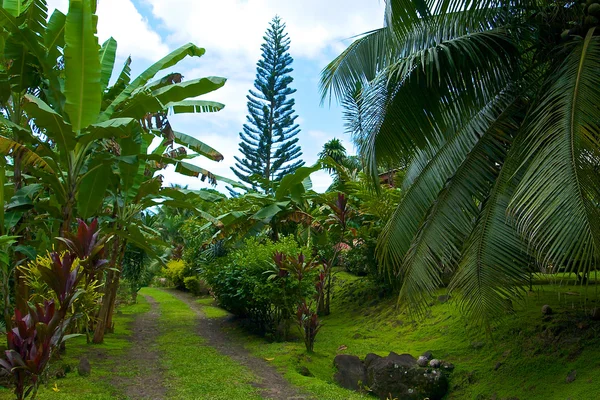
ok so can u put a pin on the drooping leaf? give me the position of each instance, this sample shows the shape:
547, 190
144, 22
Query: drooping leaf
197, 146
92, 189
9, 147
188, 89
55, 127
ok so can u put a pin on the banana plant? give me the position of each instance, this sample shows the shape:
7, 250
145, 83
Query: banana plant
74, 134
92, 126
291, 202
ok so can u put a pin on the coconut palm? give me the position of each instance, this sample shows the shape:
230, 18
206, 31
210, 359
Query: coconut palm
496, 104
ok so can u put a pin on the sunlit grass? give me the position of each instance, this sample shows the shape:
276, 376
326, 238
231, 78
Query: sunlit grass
360, 323
195, 370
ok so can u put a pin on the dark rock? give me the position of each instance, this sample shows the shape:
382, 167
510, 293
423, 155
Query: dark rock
428, 355
60, 373
595, 314
401, 377
351, 372
444, 298
406, 360
304, 371
546, 310
497, 366
447, 366
435, 363
571, 376
422, 361
84, 368
370, 358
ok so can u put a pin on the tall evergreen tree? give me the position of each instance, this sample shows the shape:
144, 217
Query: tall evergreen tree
269, 142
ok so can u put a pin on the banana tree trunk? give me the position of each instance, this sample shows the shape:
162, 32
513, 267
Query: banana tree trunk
104, 307
21, 289
110, 291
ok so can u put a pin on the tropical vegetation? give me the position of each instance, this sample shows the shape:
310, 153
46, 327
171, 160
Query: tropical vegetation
495, 104
471, 204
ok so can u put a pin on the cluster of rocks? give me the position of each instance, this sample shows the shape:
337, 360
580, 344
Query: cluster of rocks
400, 375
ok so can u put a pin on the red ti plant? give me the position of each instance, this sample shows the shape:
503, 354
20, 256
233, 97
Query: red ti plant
88, 246
39, 330
337, 223
289, 272
309, 324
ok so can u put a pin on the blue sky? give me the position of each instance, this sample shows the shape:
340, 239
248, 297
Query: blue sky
232, 32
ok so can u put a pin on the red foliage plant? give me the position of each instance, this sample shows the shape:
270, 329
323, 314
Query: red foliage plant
38, 331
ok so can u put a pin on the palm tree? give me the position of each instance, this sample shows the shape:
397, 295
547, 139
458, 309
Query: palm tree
334, 149
496, 104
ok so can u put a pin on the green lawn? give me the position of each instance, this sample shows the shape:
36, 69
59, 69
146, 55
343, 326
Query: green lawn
535, 355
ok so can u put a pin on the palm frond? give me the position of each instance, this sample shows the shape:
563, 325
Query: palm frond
359, 63
437, 245
555, 204
492, 271
445, 159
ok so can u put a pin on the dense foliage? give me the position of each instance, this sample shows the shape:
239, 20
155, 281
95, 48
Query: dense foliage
248, 282
495, 104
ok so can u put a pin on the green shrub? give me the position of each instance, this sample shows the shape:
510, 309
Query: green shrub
247, 283
176, 272
195, 286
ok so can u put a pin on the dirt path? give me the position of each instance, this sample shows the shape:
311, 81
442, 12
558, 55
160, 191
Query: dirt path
271, 384
143, 359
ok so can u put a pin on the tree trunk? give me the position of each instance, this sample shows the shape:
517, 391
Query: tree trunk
21, 289
101, 324
110, 291
105, 306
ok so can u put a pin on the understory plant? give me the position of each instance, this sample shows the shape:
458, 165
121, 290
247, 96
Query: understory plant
263, 281
339, 233
309, 323
40, 329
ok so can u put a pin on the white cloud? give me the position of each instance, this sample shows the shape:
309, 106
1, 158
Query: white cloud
121, 20
232, 32
237, 27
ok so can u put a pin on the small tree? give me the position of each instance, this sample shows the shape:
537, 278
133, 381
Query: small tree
269, 142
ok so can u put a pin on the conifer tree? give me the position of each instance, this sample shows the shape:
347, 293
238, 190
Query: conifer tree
269, 137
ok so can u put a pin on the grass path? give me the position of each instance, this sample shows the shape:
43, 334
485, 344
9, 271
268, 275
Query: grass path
271, 384
143, 356
201, 363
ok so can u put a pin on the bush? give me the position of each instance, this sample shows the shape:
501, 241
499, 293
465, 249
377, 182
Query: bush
362, 261
248, 283
176, 272
195, 286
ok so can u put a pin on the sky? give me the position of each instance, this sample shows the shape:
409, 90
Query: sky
232, 32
